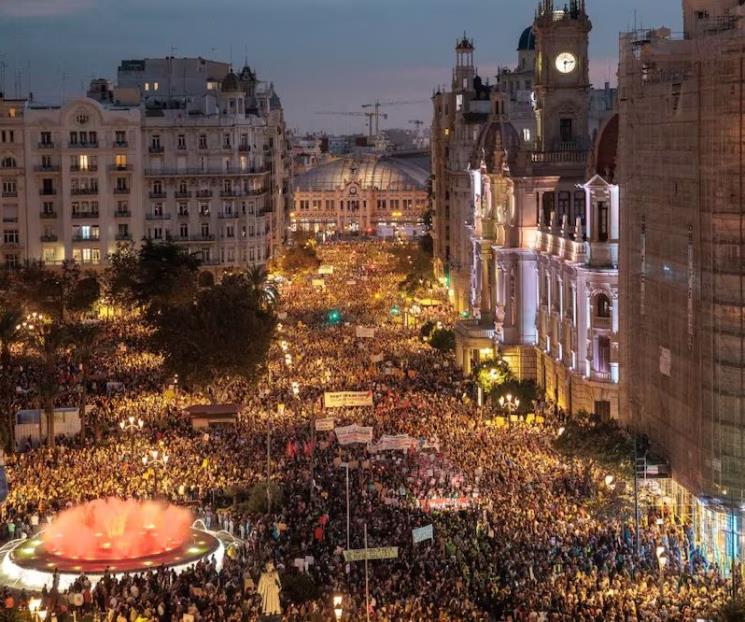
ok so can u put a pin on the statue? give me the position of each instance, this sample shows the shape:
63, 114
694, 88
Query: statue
486, 203
269, 588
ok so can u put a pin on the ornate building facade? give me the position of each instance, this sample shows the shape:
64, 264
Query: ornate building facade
526, 213
179, 149
376, 195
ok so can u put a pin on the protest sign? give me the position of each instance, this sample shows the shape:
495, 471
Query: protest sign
347, 435
343, 399
325, 425
365, 332
421, 534
382, 552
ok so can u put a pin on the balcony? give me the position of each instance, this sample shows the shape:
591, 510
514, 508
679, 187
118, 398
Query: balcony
45, 145
10, 245
119, 190
76, 168
123, 237
47, 192
120, 167
152, 216
82, 145
203, 214
204, 194
9, 193
122, 213
197, 237
600, 376
157, 195
90, 238
155, 149
230, 193
244, 148
182, 195
575, 156
602, 323
227, 215
170, 172
83, 191
50, 237
184, 214
47, 215
47, 169
120, 143
90, 214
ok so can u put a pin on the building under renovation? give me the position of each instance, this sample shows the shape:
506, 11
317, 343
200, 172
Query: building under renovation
680, 161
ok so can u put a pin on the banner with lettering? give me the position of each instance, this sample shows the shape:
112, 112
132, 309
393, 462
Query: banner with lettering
345, 399
420, 534
347, 435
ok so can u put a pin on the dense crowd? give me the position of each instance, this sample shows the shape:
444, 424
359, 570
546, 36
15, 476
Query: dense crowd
529, 535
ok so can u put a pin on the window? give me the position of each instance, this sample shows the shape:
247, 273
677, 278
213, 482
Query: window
157, 187
230, 231
204, 209
526, 134
46, 138
203, 141
46, 161
123, 230
227, 209
155, 141
603, 221
120, 138
155, 86
92, 138
158, 233
8, 162
7, 136
205, 230
10, 236
565, 130
226, 141
158, 209
183, 208
579, 207
120, 161
74, 138
548, 207
181, 144
147, 86
122, 207
9, 187
602, 306
121, 184
183, 230
83, 162
47, 207
564, 199
602, 355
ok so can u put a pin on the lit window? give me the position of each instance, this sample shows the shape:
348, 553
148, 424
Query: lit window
526, 134
120, 161
155, 86
83, 163
147, 86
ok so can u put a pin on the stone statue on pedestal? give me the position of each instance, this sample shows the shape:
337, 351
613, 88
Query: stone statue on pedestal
269, 588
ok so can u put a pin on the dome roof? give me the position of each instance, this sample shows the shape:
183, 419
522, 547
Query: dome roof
384, 173
230, 83
527, 40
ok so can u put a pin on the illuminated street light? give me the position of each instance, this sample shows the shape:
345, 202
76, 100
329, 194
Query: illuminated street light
338, 610
155, 459
509, 403
609, 479
561, 431
130, 423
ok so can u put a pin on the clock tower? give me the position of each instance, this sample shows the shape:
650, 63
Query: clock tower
562, 84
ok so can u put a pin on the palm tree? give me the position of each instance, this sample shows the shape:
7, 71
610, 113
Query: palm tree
85, 342
10, 333
266, 293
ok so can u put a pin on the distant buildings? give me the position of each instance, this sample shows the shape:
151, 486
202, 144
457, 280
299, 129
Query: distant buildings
375, 195
179, 149
681, 170
526, 213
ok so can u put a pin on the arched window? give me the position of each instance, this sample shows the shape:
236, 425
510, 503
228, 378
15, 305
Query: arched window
8, 162
602, 306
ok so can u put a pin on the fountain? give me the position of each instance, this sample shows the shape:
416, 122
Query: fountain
113, 535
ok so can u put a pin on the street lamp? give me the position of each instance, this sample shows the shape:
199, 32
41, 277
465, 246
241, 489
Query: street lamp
130, 423
338, 610
155, 459
509, 403
609, 479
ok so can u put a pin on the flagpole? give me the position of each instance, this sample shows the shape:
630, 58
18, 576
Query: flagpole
367, 581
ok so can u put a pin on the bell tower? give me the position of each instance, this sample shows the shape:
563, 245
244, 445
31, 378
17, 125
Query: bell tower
464, 71
562, 83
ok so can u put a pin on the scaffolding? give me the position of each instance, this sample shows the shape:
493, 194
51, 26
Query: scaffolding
681, 144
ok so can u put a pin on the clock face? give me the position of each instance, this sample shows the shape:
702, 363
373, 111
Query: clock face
565, 62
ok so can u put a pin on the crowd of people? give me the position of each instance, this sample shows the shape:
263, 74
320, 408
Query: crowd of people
518, 529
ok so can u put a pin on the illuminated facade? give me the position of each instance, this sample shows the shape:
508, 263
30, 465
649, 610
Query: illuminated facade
526, 213
201, 159
380, 195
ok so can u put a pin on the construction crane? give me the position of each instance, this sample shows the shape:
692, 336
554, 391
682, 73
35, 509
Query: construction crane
379, 104
369, 116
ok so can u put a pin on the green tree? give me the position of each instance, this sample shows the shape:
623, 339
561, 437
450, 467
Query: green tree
86, 344
223, 336
256, 503
443, 339
301, 255
158, 275
266, 292
10, 334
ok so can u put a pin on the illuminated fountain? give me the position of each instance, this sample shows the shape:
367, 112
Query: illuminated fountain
108, 534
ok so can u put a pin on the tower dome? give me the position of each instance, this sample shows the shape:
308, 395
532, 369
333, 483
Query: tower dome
230, 83
527, 40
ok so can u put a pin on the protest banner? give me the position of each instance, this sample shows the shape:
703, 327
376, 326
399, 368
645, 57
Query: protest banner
381, 552
401, 442
365, 332
325, 269
444, 503
420, 534
344, 399
350, 434
319, 283
325, 425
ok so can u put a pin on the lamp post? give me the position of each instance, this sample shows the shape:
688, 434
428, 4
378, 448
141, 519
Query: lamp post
509, 403
155, 459
338, 608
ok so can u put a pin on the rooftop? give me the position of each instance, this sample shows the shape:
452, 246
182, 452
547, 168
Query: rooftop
379, 172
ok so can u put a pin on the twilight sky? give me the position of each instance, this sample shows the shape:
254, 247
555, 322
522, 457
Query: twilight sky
321, 54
